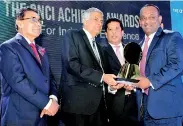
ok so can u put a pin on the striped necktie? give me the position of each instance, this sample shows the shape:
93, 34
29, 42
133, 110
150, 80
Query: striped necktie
35, 52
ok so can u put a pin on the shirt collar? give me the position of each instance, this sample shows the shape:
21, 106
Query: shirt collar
88, 35
29, 42
116, 45
150, 36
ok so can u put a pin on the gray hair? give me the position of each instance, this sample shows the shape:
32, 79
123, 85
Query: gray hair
86, 14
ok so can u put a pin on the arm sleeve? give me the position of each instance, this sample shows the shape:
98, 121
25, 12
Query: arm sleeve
173, 64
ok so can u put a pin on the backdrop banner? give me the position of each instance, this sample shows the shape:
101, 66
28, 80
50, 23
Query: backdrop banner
176, 9
60, 16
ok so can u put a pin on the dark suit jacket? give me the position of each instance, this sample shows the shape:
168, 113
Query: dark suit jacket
164, 69
115, 102
81, 82
25, 83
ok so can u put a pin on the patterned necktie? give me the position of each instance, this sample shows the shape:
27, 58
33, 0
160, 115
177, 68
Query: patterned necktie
120, 58
143, 60
35, 52
96, 51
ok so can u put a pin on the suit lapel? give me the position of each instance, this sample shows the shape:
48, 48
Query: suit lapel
101, 54
153, 43
88, 45
141, 42
44, 60
111, 52
26, 45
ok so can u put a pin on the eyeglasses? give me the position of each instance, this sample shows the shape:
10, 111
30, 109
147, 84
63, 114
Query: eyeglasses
34, 20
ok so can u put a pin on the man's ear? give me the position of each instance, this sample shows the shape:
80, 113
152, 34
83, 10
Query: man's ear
140, 23
122, 32
19, 24
106, 34
160, 19
85, 23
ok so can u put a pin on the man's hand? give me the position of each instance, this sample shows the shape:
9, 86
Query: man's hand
143, 83
44, 112
122, 85
116, 87
129, 87
52, 110
53, 107
109, 79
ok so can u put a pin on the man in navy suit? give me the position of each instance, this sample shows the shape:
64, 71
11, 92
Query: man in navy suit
162, 71
28, 91
121, 103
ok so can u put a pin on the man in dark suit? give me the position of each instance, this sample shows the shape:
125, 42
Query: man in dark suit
162, 71
28, 92
122, 105
83, 95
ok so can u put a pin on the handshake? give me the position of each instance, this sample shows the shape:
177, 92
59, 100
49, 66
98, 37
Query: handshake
51, 110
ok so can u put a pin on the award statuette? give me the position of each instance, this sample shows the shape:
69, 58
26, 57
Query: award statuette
130, 70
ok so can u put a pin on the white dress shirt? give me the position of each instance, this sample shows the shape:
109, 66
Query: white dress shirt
122, 54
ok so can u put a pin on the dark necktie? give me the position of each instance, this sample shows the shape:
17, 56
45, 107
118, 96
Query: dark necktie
35, 52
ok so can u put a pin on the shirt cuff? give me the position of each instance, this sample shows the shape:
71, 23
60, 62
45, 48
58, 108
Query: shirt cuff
111, 91
53, 97
151, 85
48, 105
102, 78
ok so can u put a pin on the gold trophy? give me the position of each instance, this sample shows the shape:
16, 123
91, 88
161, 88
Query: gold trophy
130, 70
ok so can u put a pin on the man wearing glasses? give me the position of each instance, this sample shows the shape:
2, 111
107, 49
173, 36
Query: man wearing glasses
28, 90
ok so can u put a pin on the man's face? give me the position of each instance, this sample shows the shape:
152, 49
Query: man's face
114, 33
30, 26
150, 20
94, 24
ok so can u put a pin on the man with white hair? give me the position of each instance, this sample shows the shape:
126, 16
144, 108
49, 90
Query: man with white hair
83, 95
